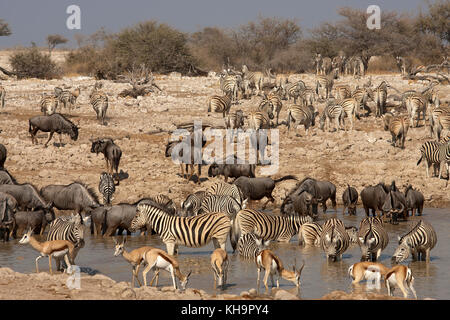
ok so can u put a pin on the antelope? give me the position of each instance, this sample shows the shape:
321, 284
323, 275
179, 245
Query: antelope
366, 270
134, 257
54, 248
219, 263
158, 259
400, 275
267, 260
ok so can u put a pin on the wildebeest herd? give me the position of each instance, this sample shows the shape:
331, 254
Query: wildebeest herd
225, 210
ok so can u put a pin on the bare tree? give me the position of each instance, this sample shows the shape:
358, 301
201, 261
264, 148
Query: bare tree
142, 82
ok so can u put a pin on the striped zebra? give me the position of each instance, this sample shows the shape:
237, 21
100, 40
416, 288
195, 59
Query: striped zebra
2, 95
342, 91
67, 228
415, 103
326, 83
442, 123
249, 245
106, 187
308, 96
444, 157
433, 116
260, 119
99, 102
294, 90
380, 97
195, 231
430, 152
218, 103
191, 205
309, 234
304, 115
372, 238
272, 100
266, 226
350, 110
332, 112
417, 242
68, 98
229, 84
398, 127
362, 95
48, 104
225, 189
255, 78
225, 204
334, 239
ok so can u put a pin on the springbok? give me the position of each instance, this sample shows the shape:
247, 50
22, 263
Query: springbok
267, 260
54, 248
366, 270
219, 263
400, 275
158, 259
134, 257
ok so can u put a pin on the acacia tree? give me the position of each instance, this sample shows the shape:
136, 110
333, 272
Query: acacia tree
53, 40
436, 21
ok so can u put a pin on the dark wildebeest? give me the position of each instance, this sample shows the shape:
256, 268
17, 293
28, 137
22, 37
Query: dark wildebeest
414, 201
111, 152
350, 200
258, 188
7, 221
297, 203
36, 220
320, 190
27, 196
373, 197
394, 205
53, 123
233, 170
10, 201
75, 196
6, 178
3, 154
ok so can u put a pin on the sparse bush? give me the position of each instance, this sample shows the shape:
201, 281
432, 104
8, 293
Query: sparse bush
31, 63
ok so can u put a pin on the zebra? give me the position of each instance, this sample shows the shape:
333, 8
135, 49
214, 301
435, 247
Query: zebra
442, 123
255, 78
69, 98
308, 96
249, 245
230, 84
225, 189
349, 108
309, 234
294, 90
225, 204
334, 239
99, 102
187, 231
48, 104
444, 157
433, 116
331, 112
67, 228
380, 97
326, 82
417, 242
342, 91
415, 103
362, 95
430, 152
355, 65
304, 115
274, 101
218, 103
106, 187
2, 96
372, 238
266, 226
191, 205
260, 119
398, 127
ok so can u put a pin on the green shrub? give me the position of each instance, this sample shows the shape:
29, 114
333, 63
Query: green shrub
31, 63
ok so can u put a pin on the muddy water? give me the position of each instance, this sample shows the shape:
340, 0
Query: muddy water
318, 277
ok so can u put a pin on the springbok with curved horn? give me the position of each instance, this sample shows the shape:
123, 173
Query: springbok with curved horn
49, 249
267, 260
158, 259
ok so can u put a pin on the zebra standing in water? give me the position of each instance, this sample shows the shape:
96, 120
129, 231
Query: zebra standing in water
106, 187
226, 189
67, 228
309, 234
188, 231
331, 112
249, 245
99, 102
266, 226
334, 239
48, 104
372, 238
191, 206
220, 103
2, 96
417, 242
225, 204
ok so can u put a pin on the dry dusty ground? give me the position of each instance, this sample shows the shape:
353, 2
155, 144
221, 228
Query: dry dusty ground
360, 157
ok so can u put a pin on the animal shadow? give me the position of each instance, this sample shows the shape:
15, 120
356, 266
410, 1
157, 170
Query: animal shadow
121, 175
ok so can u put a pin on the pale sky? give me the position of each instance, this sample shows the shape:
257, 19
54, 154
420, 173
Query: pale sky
34, 20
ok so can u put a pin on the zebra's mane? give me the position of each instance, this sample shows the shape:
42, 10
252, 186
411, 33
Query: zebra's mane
90, 190
413, 230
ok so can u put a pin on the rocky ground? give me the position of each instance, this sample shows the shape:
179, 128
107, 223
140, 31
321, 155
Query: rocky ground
359, 158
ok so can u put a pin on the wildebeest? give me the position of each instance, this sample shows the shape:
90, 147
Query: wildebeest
320, 190
394, 204
297, 203
26, 195
74, 196
36, 220
6, 178
373, 197
3, 154
10, 201
111, 151
414, 201
233, 170
53, 123
7, 220
350, 199
258, 188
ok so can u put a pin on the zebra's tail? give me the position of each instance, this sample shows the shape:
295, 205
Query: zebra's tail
288, 177
420, 160
235, 232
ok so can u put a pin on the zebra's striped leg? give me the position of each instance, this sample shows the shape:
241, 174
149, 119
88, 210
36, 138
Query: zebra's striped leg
170, 248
